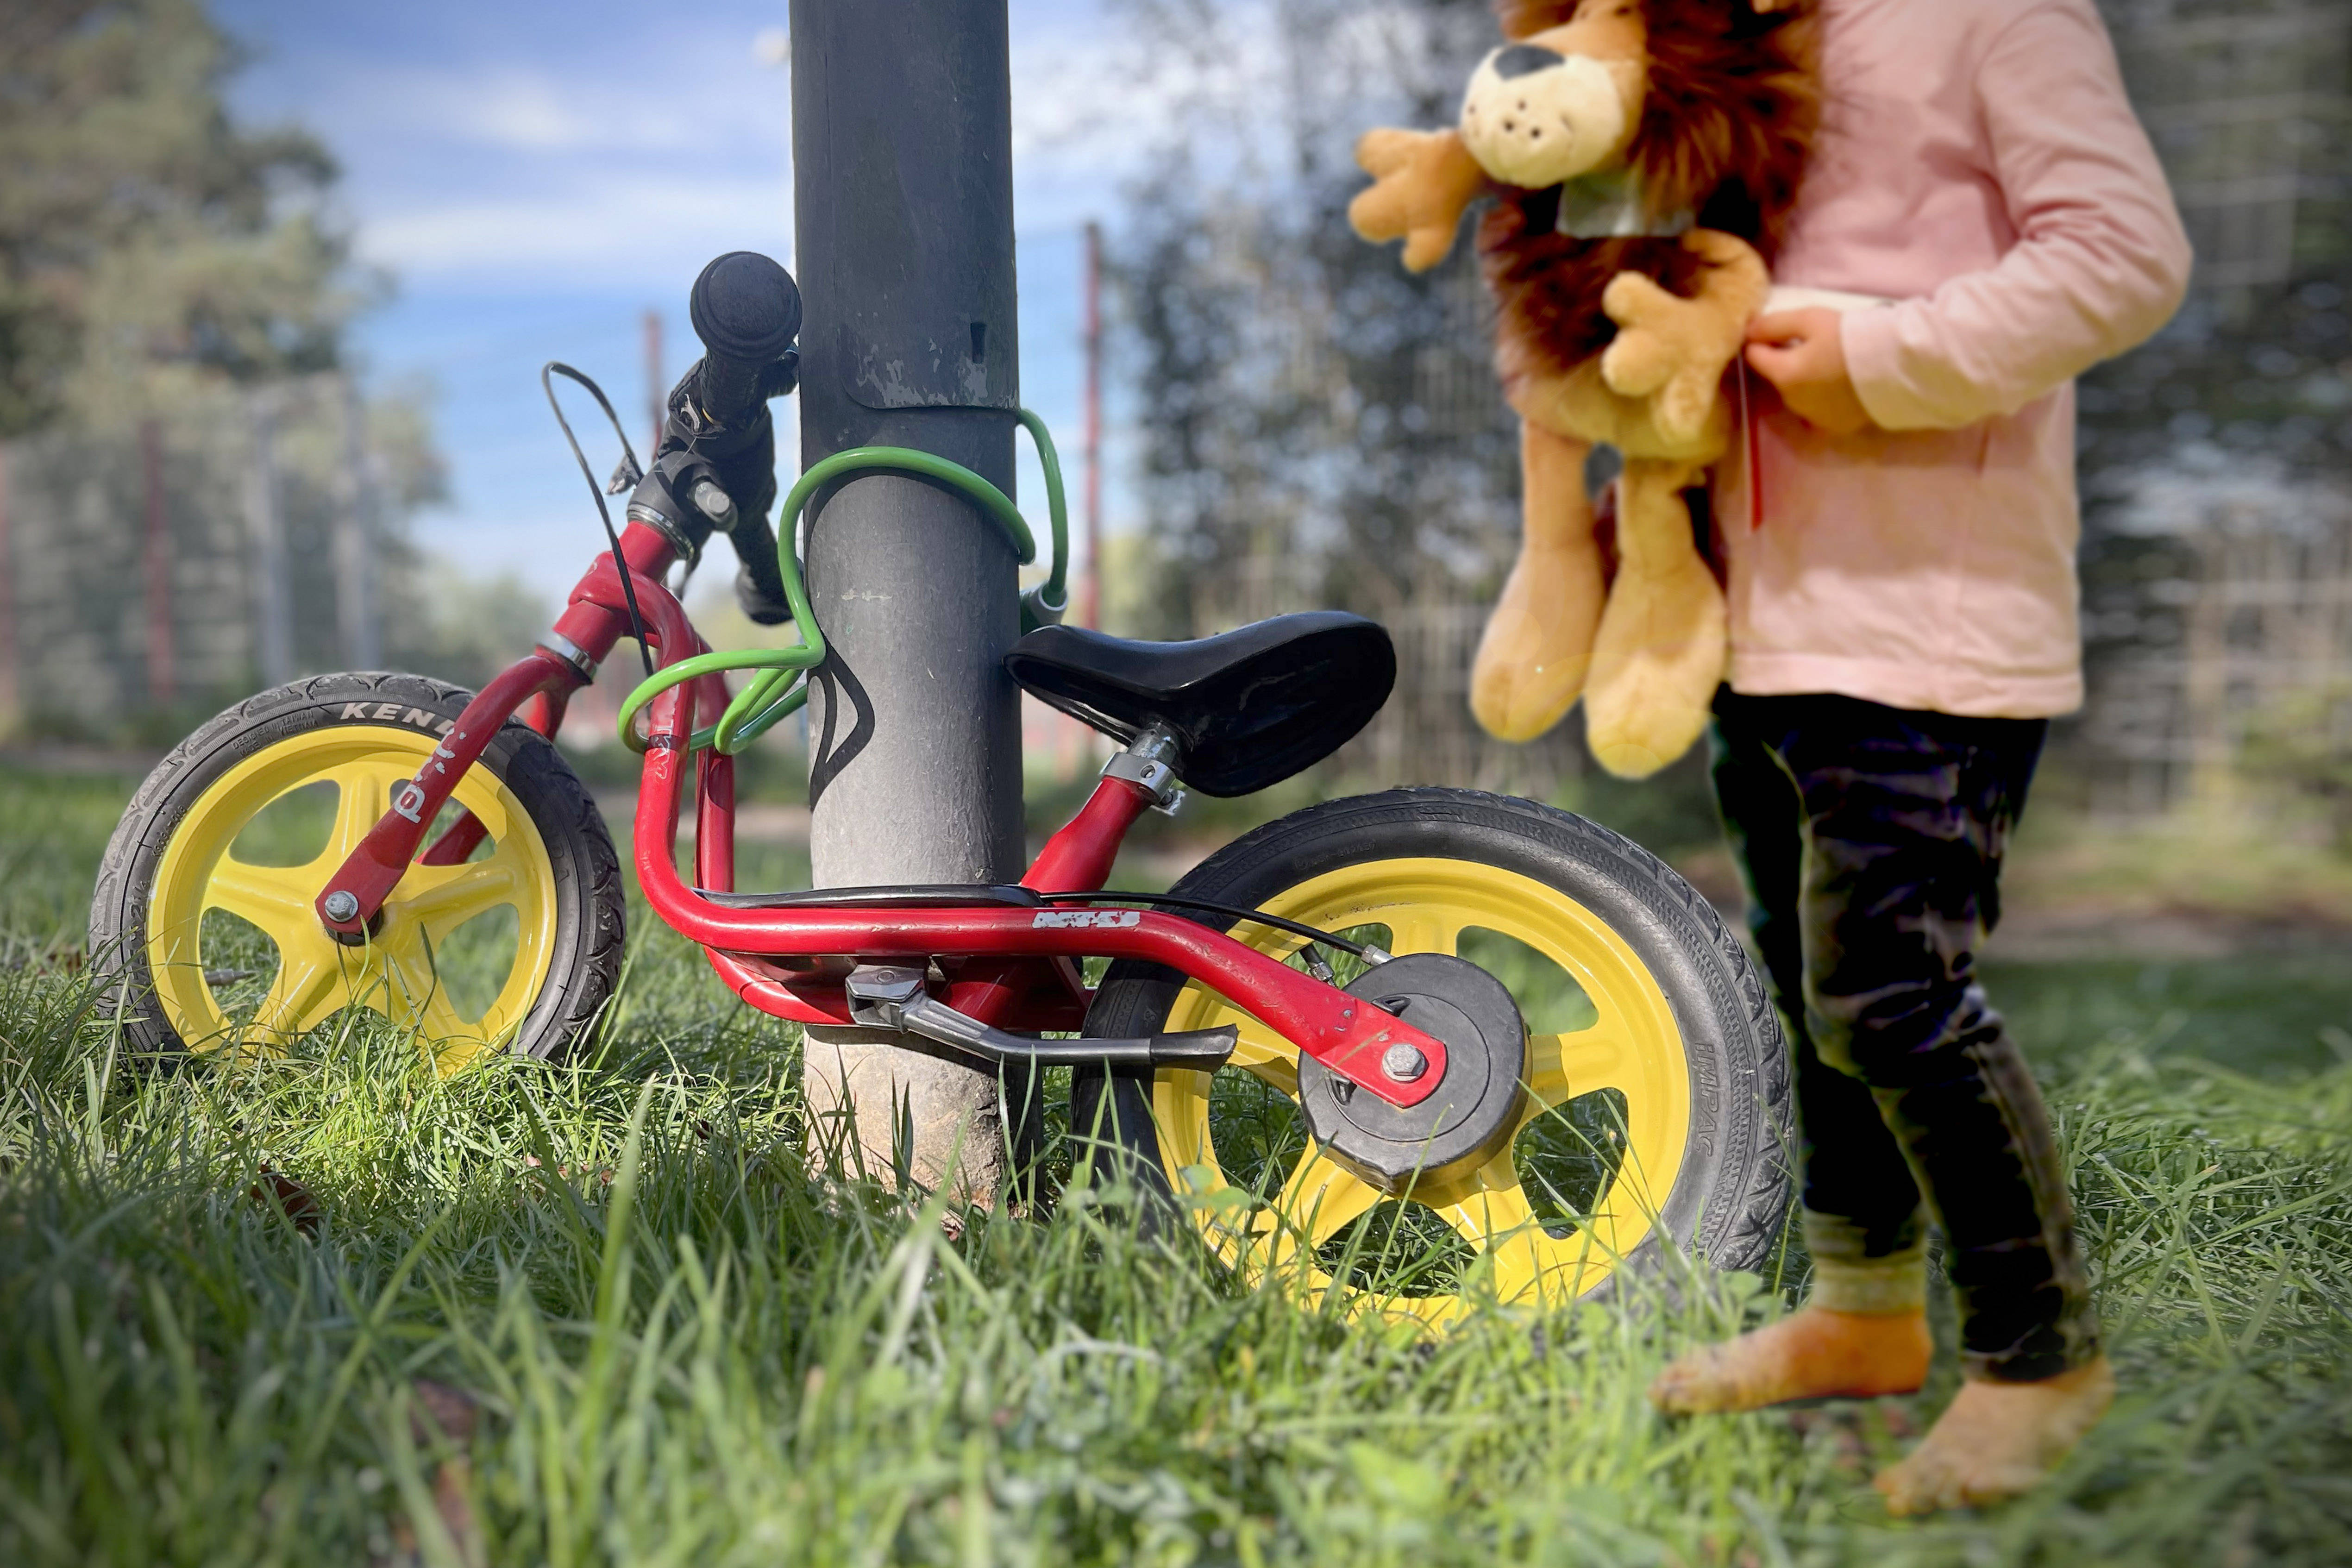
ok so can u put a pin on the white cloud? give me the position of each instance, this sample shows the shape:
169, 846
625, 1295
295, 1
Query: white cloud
528, 112
603, 231
673, 100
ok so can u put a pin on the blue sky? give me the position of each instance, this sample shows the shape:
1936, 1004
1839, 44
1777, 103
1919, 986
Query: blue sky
534, 176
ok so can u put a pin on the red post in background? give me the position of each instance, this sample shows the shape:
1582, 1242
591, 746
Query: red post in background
656, 407
157, 566
1091, 615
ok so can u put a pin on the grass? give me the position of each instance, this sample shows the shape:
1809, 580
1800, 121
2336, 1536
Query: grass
608, 1313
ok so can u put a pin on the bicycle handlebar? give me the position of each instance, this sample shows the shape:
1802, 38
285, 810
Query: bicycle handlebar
747, 311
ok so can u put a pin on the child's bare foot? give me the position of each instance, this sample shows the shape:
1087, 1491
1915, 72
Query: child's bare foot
1813, 1354
1997, 1439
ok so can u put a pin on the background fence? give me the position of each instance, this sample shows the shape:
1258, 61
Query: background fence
175, 560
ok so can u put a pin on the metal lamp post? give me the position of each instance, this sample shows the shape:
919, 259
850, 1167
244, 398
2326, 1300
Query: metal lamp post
903, 202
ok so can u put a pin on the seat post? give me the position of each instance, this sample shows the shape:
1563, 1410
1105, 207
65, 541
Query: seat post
1081, 854
1151, 761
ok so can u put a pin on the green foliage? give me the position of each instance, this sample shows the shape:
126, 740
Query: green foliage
2302, 747
614, 1314
142, 232
53, 828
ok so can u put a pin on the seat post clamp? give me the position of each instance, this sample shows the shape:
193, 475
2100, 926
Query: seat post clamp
1149, 763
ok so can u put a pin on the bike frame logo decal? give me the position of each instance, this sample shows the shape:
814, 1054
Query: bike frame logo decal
1049, 920
410, 802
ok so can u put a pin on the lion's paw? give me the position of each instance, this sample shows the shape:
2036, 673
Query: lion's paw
1652, 337
1421, 181
1681, 408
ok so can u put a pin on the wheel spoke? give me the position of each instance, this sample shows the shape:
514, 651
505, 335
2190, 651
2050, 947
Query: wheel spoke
362, 794
406, 959
1496, 1219
442, 898
1262, 1050
1320, 1197
432, 1011
1263, 1053
1495, 1207
436, 1019
1562, 1067
275, 897
1424, 931
407, 988
304, 994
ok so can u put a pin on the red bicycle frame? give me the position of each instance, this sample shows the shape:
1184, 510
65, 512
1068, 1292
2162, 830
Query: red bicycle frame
1013, 966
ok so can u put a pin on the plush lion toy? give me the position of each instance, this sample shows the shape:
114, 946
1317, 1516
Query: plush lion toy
1643, 156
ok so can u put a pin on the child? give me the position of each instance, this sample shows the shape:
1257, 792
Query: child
1902, 626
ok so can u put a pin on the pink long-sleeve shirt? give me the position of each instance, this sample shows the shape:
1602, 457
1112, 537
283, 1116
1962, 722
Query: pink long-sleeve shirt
1979, 166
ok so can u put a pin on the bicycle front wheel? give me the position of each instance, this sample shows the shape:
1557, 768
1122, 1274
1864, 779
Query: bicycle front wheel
1653, 1112
203, 925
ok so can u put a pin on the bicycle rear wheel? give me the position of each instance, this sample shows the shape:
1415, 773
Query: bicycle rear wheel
1654, 1112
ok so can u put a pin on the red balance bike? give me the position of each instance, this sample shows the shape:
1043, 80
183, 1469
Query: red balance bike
1492, 1027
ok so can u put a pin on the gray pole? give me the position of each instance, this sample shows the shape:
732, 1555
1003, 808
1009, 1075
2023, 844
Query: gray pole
903, 178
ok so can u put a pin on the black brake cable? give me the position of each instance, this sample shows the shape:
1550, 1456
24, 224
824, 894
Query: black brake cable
547, 373
1230, 912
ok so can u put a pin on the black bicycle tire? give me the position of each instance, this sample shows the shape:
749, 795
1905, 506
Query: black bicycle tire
588, 896
1729, 1200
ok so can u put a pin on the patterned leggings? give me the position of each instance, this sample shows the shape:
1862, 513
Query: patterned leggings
1872, 839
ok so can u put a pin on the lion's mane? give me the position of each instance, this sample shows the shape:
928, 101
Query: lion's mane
1730, 115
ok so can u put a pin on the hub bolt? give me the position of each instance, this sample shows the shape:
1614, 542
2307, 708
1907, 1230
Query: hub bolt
341, 905
1402, 1063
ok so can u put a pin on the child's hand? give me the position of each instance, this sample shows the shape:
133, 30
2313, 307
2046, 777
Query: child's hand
1801, 353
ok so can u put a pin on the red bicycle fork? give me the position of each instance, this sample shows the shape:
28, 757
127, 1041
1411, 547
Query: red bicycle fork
1011, 965
539, 686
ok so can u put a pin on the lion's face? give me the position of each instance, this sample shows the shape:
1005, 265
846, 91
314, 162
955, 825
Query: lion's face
1562, 102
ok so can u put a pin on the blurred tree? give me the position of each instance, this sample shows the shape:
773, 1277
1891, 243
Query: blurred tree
1320, 428
144, 237
2303, 744
463, 628
2250, 104
2261, 382
1323, 427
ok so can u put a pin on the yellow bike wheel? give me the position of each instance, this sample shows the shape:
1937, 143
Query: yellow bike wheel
1654, 1109
204, 919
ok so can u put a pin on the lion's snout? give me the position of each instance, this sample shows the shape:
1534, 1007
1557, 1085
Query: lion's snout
1534, 117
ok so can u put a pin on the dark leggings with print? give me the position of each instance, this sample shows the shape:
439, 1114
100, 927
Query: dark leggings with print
1872, 839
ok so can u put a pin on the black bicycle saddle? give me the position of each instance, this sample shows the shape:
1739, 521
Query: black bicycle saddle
1248, 708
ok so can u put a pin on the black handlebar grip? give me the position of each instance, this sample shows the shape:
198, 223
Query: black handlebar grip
747, 311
